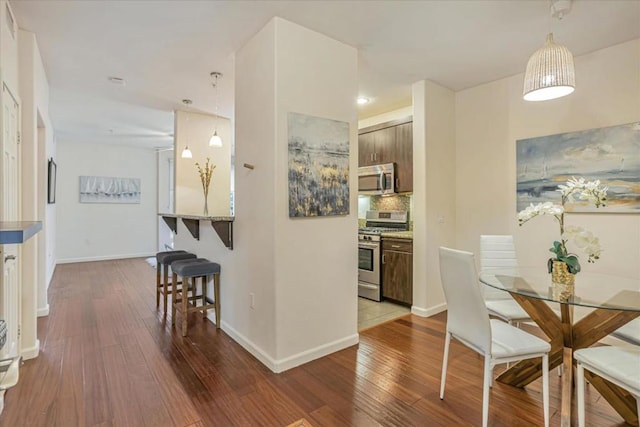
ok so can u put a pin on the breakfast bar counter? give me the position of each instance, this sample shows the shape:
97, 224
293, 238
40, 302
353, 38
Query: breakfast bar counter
223, 225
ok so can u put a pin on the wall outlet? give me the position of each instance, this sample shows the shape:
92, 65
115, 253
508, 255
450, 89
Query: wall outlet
252, 300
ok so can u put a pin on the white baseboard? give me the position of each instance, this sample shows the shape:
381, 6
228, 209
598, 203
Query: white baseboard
32, 352
50, 276
43, 312
316, 353
428, 312
249, 346
282, 365
105, 258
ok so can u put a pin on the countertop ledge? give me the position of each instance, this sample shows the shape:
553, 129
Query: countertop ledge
18, 232
408, 235
200, 217
223, 225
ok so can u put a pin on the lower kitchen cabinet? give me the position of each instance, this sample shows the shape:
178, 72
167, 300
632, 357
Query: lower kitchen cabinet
397, 270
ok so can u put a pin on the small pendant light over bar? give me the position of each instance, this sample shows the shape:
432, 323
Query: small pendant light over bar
215, 140
550, 72
186, 153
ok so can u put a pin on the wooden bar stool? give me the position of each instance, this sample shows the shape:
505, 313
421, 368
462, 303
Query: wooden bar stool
176, 297
190, 271
163, 261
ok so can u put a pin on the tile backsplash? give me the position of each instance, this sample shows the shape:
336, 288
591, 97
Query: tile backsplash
388, 203
385, 203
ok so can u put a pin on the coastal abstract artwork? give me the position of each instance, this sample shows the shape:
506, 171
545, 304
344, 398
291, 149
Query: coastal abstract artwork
103, 189
611, 155
318, 166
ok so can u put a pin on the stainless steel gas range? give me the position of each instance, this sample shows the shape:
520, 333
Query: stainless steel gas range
369, 272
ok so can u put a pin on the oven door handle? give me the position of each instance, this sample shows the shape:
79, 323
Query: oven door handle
368, 245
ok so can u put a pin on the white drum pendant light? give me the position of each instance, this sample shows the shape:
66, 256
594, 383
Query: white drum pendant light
550, 72
215, 140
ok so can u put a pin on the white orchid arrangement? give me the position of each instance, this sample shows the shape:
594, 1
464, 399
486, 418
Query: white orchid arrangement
592, 192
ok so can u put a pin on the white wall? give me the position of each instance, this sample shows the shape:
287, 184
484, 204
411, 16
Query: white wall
36, 133
254, 227
434, 189
489, 120
166, 196
195, 129
398, 114
96, 231
302, 272
47, 138
8, 76
316, 258
46, 149
8, 51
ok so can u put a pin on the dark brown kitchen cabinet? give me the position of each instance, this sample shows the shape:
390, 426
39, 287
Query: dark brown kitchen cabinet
366, 149
376, 147
397, 270
403, 154
390, 142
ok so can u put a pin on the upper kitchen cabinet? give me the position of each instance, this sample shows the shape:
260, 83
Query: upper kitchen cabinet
390, 142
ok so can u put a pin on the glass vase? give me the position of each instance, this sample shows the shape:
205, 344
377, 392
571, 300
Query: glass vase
206, 206
562, 281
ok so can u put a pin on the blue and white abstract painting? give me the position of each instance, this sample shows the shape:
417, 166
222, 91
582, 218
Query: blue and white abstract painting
105, 189
611, 155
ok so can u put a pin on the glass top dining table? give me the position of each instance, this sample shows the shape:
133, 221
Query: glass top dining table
614, 301
594, 290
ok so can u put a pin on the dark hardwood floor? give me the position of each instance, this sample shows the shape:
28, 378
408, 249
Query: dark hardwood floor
109, 358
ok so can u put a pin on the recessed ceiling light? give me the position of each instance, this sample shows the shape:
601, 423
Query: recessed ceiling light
363, 100
117, 81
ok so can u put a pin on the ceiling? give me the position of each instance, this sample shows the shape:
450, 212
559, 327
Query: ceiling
165, 51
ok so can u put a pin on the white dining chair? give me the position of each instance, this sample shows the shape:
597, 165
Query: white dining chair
629, 332
498, 251
468, 321
619, 365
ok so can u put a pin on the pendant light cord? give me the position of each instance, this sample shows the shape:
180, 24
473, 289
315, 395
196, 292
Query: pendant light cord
215, 140
216, 75
186, 153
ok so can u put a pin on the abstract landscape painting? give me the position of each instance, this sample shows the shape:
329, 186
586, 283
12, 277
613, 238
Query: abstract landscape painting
103, 189
318, 166
611, 155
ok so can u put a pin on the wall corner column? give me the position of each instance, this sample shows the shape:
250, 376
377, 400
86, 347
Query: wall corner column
434, 195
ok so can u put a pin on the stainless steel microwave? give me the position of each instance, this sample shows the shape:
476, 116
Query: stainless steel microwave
377, 179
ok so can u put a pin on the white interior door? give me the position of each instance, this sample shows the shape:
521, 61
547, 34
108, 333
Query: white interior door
9, 211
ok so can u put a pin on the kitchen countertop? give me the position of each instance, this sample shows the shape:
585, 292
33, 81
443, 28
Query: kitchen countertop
398, 235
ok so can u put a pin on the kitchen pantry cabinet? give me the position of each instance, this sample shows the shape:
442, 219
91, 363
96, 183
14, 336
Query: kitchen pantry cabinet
390, 142
397, 270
